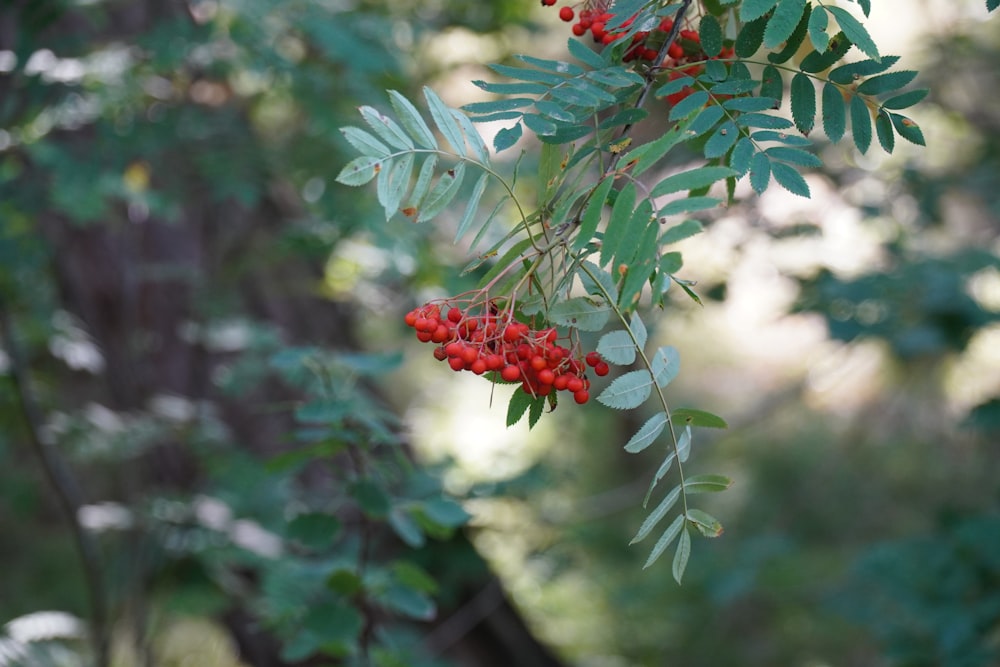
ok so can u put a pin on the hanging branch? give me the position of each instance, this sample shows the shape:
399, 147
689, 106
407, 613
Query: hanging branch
64, 485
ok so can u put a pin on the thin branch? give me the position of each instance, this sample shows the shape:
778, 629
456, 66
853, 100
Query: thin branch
66, 489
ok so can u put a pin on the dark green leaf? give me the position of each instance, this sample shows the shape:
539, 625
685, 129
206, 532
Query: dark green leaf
705, 120
513, 88
688, 205
834, 112
771, 85
750, 104
907, 99
681, 231
592, 213
855, 31
861, 124
722, 140
992, 4
765, 121
816, 61
507, 104
506, 137
790, 179
851, 72
803, 102
557, 66
760, 172
739, 160
795, 156
787, 16
884, 83
883, 130
780, 137
581, 52
538, 124
692, 102
526, 74
371, 498
707, 483
710, 33
406, 528
315, 530
621, 213
751, 36
751, 10
408, 602
518, 405
907, 129
624, 117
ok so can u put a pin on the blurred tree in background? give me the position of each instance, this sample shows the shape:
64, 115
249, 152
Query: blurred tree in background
198, 324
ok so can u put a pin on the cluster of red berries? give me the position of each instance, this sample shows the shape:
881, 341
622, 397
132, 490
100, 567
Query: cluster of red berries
683, 55
493, 341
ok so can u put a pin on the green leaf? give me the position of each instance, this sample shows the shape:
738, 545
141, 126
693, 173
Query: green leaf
795, 156
647, 434
681, 231
771, 85
751, 10
506, 137
423, 182
665, 365
884, 83
692, 417
705, 523
851, 72
535, 410
592, 213
472, 136
710, 32
364, 142
557, 66
623, 117
386, 128
681, 555
555, 112
360, 170
760, 172
506, 104
627, 391
861, 124
651, 153
597, 281
739, 160
669, 535
617, 348
411, 119
585, 55
834, 112
581, 313
794, 41
749, 104
854, 31
907, 129
664, 468
512, 88
683, 446
883, 130
707, 483
621, 213
751, 36
472, 207
444, 512
689, 104
721, 140
441, 115
315, 530
408, 602
394, 182
991, 5
539, 124
525, 74
790, 179
518, 405
803, 98
785, 19
763, 120
371, 498
657, 514
638, 328
690, 180
780, 137
670, 263
818, 23
406, 528
705, 120
688, 205
817, 62
905, 100
442, 193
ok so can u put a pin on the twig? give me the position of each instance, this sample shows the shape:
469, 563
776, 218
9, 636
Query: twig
65, 487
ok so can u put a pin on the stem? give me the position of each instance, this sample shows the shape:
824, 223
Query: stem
65, 487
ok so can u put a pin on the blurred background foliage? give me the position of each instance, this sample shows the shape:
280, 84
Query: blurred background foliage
210, 329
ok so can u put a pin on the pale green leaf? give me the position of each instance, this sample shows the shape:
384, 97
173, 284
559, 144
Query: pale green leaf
472, 207
394, 182
657, 515
580, 313
441, 114
647, 434
360, 170
627, 391
681, 555
411, 119
386, 128
442, 193
669, 535
617, 348
707, 483
666, 365
705, 523
701, 418
364, 142
691, 180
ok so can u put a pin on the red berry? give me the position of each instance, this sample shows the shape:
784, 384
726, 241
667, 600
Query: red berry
456, 363
574, 384
546, 376
455, 315
579, 30
538, 362
411, 318
453, 349
469, 354
441, 334
424, 336
478, 366
561, 381
548, 3
675, 51
581, 396
510, 373
566, 14
440, 354
602, 369
593, 358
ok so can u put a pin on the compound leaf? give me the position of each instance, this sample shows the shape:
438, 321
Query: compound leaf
627, 391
